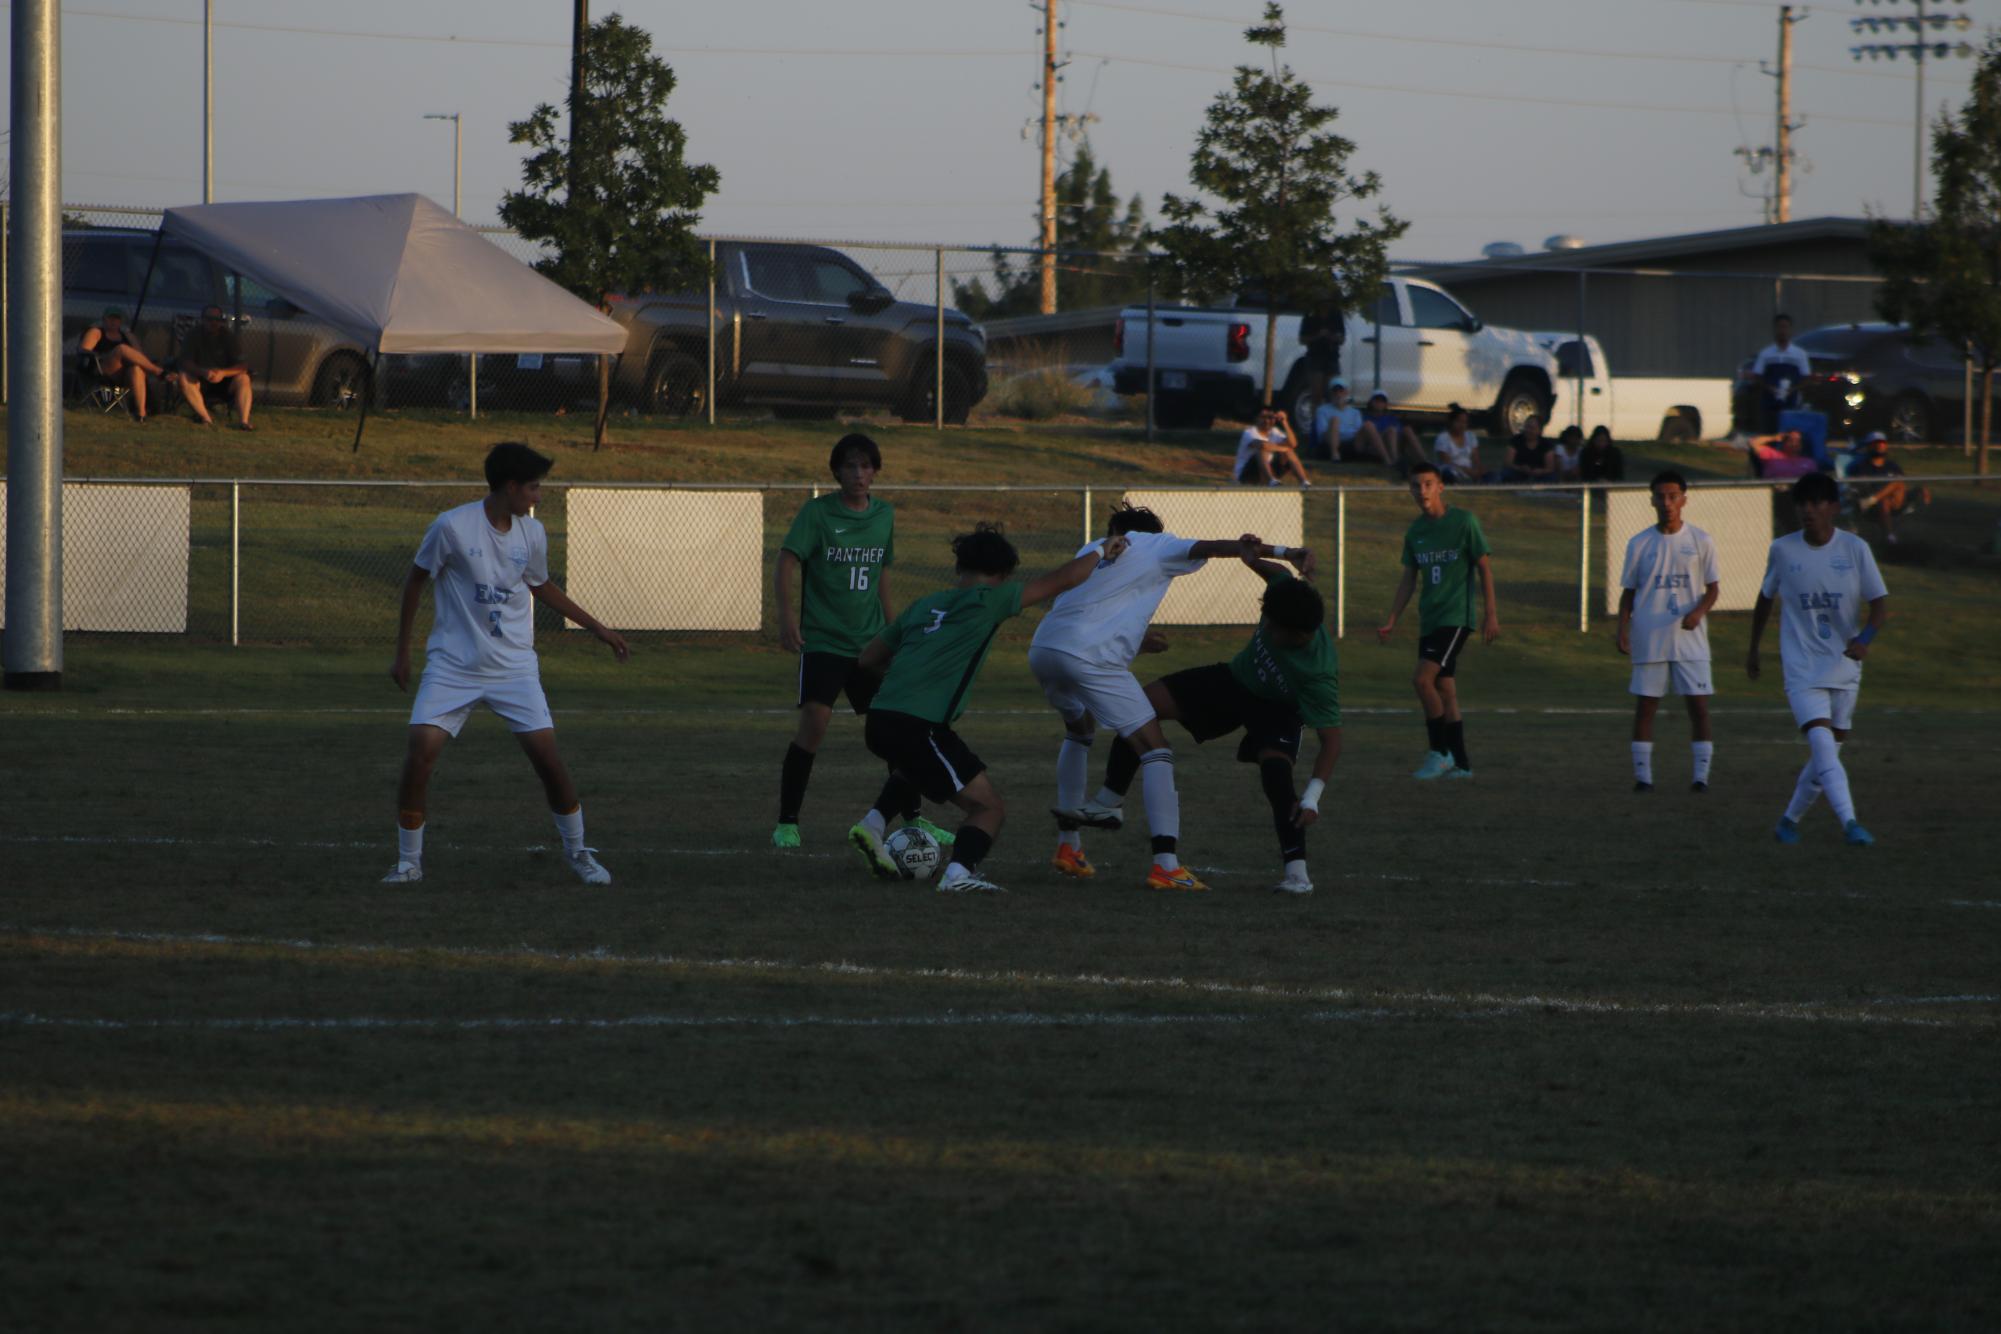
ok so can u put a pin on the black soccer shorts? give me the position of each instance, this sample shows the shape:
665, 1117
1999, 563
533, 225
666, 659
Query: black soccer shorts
1443, 646
1212, 702
929, 754
823, 676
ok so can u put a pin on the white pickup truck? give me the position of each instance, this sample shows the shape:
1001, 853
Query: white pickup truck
1417, 344
1632, 407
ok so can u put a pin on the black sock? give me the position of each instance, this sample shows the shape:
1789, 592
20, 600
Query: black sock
1434, 733
1164, 843
898, 795
1121, 768
1276, 775
792, 783
971, 846
1455, 737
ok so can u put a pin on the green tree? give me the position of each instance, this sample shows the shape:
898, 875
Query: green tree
631, 226
1277, 176
1102, 239
1942, 275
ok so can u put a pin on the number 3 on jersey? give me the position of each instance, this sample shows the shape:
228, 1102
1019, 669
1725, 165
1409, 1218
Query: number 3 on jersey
857, 578
937, 621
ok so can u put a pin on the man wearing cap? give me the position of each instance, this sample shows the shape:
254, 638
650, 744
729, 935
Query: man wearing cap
1874, 475
119, 359
1337, 422
213, 357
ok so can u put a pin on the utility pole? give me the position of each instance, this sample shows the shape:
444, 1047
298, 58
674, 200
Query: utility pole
1782, 199
579, 35
453, 117
1923, 47
208, 101
1048, 305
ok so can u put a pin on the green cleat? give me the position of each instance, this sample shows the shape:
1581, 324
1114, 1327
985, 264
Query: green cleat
785, 836
942, 836
869, 845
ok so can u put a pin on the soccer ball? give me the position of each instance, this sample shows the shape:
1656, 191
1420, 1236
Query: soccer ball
914, 852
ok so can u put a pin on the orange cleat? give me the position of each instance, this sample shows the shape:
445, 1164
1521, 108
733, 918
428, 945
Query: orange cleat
1179, 878
1070, 861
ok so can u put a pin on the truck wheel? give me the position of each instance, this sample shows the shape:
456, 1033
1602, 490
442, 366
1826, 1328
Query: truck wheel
1679, 428
1910, 419
342, 380
1297, 398
920, 405
673, 387
1520, 399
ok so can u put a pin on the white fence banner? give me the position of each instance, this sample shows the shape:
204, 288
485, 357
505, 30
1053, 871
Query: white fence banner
1222, 592
667, 560
125, 558
1738, 519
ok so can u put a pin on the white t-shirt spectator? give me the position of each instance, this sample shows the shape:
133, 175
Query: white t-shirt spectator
1669, 573
1791, 359
1336, 425
483, 621
1823, 595
1448, 453
1251, 443
1103, 619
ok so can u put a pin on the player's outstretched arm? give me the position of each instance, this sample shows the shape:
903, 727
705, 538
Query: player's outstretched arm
1300, 558
550, 595
1307, 809
1760, 613
1405, 587
1624, 636
406, 619
1879, 612
1490, 620
789, 638
1071, 573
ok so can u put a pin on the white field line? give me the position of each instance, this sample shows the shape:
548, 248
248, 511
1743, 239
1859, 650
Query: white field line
1468, 1003
377, 711
947, 1019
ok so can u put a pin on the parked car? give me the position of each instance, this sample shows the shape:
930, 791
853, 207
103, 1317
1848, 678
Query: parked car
1632, 407
1874, 377
294, 358
1417, 344
803, 329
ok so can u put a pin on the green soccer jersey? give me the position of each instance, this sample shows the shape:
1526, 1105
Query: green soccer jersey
940, 642
842, 553
1308, 678
1443, 551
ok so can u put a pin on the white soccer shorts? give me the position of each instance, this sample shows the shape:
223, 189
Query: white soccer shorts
1652, 679
1072, 686
517, 699
1811, 702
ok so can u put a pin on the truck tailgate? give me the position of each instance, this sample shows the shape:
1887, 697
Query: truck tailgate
1186, 338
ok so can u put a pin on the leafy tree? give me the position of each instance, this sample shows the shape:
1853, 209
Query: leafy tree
1277, 176
1103, 268
631, 226
1942, 275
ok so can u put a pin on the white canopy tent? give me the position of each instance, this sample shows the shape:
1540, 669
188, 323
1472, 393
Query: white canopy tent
397, 274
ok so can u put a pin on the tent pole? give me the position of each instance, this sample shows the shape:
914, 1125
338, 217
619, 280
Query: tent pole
159, 235
367, 393
604, 399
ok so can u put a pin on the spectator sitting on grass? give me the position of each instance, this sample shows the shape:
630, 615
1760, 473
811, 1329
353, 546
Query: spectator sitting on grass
1600, 459
1456, 451
1879, 488
1782, 457
1267, 450
1568, 446
1386, 435
1343, 429
1531, 455
214, 357
119, 359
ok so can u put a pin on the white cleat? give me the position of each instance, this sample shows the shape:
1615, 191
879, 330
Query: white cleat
585, 864
404, 873
1091, 815
1293, 883
965, 883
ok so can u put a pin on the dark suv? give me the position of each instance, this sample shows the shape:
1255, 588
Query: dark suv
1876, 377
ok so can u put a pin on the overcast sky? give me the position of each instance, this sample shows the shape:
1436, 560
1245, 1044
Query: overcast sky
904, 119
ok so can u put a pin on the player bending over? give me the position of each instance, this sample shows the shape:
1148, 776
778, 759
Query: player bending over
1082, 655
1288, 674
490, 559
930, 654
1665, 627
1442, 551
839, 549
1819, 577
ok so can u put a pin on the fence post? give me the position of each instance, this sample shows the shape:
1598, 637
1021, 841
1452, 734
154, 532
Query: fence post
1149, 349
1578, 412
235, 561
710, 396
1341, 564
6, 218
1087, 516
1584, 560
938, 289
472, 387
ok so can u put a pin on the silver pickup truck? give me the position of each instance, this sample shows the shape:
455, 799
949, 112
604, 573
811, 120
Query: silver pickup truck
1416, 343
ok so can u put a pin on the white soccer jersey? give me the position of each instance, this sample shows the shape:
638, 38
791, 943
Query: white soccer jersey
1823, 595
483, 623
1668, 573
1103, 619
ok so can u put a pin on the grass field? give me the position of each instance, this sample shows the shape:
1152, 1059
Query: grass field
1538, 1053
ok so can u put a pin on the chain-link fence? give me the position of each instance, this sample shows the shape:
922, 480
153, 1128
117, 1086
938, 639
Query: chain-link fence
322, 562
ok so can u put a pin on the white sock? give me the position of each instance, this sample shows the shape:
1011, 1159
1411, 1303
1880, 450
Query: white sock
1702, 752
1070, 838
1073, 771
1107, 797
1805, 793
410, 845
1167, 861
571, 827
1296, 869
1643, 761
1156, 787
1827, 769
875, 821
954, 871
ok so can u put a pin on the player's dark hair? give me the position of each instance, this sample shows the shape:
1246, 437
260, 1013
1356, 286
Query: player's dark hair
1453, 410
985, 551
1815, 486
1419, 469
1669, 477
1782, 316
512, 461
1130, 518
1294, 604
1572, 433
854, 440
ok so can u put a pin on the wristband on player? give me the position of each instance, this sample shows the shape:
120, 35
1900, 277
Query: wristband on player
1311, 800
1868, 633
1279, 552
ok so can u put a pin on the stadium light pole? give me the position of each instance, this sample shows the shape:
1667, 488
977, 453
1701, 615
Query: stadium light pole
453, 117
1920, 25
